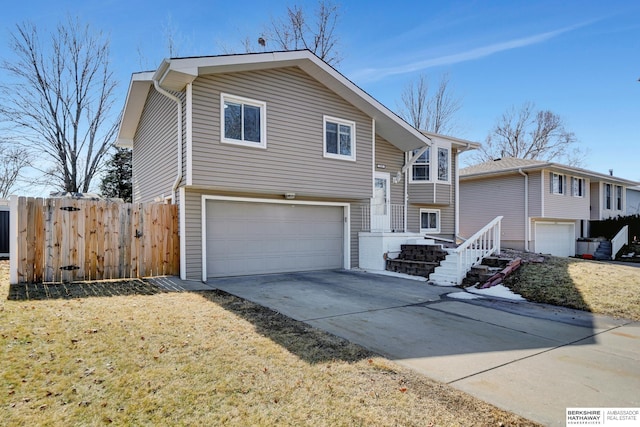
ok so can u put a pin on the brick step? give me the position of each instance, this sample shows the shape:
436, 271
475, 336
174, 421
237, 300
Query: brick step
414, 268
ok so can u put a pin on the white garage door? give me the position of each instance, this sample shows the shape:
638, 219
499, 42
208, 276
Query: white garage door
556, 238
255, 238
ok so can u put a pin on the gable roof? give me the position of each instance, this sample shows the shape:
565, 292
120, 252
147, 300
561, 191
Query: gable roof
174, 74
511, 165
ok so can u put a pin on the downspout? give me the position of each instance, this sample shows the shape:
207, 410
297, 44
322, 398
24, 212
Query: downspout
406, 197
456, 219
179, 104
526, 209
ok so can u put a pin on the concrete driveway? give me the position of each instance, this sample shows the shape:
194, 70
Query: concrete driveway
531, 359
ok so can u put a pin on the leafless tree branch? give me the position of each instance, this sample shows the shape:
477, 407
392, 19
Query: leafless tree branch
529, 134
60, 99
433, 113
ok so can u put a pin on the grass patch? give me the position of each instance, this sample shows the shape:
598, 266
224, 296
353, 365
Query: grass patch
597, 287
203, 359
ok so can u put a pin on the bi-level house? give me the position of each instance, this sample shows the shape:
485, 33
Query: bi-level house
279, 163
546, 206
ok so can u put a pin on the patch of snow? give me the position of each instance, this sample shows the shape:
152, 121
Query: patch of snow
499, 291
463, 295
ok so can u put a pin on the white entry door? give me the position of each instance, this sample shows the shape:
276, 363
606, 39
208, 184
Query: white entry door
380, 204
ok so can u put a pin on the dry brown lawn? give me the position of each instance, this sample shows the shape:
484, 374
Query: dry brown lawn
598, 287
156, 358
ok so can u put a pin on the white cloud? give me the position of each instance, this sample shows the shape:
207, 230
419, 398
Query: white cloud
374, 74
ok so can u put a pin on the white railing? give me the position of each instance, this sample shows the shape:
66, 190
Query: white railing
621, 239
482, 244
392, 222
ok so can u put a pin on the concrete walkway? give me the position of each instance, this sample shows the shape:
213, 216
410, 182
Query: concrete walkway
531, 359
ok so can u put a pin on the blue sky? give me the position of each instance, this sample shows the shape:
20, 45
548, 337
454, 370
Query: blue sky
579, 59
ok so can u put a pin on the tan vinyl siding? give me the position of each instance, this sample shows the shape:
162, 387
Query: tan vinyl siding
535, 194
484, 199
193, 235
293, 160
155, 144
565, 206
393, 160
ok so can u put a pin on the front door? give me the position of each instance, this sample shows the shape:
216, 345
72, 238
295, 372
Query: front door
380, 216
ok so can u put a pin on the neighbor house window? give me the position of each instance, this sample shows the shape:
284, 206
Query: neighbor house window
243, 121
607, 196
558, 183
443, 164
339, 138
577, 187
420, 169
429, 220
619, 197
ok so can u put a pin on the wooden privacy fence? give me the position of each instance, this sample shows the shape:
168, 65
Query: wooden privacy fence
65, 240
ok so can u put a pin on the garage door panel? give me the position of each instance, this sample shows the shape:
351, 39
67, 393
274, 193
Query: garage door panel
254, 238
555, 238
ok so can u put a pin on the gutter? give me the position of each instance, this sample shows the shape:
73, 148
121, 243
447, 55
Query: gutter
178, 102
526, 209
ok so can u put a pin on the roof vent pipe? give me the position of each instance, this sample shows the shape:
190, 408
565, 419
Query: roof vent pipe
611, 172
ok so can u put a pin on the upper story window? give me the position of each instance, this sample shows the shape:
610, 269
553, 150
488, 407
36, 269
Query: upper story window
558, 183
421, 167
443, 164
430, 220
243, 121
607, 196
619, 197
577, 187
339, 138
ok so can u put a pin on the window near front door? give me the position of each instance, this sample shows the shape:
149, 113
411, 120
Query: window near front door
577, 187
430, 220
607, 196
243, 121
619, 197
443, 164
339, 138
420, 171
558, 183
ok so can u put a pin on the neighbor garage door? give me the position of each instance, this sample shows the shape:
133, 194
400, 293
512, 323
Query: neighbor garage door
245, 238
556, 238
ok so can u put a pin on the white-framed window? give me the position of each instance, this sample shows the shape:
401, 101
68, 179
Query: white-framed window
339, 138
618, 197
443, 164
558, 183
577, 187
421, 168
430, 221
607, 196
243, 121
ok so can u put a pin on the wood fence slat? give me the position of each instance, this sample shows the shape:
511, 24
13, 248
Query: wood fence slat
135, 241
22, 240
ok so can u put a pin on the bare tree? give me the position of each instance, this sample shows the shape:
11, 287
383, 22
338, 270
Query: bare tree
12, 161
59, 101
299, 30
433, 113
527, 133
